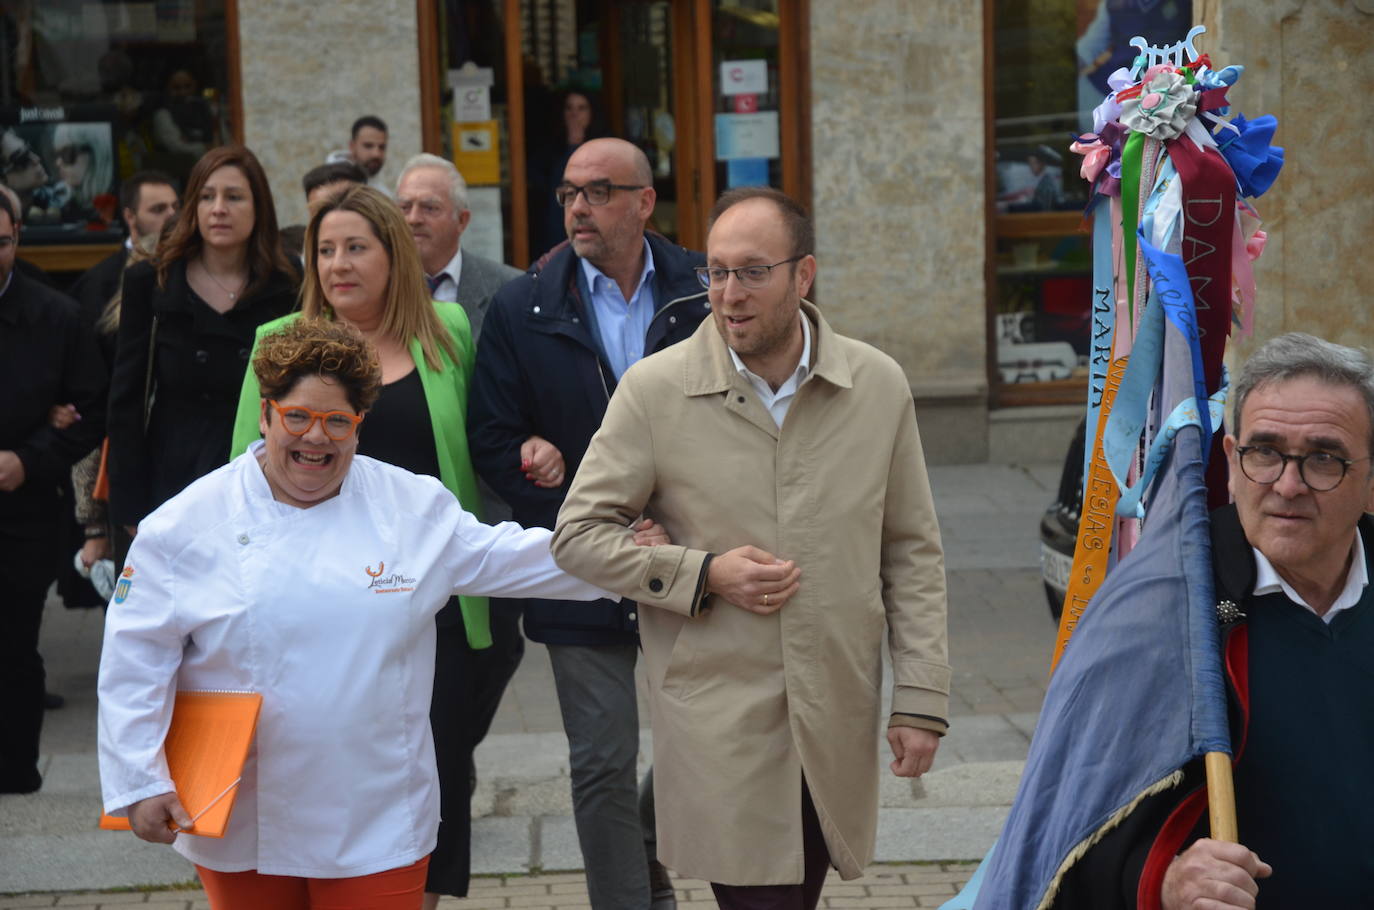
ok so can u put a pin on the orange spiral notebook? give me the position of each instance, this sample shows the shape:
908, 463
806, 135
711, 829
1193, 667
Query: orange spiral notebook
206, 747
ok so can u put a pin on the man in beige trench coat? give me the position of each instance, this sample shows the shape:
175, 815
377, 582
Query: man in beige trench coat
784, 462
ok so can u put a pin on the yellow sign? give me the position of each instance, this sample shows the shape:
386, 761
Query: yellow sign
477, 152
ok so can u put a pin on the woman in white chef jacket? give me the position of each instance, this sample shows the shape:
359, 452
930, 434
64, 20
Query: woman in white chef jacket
310, 576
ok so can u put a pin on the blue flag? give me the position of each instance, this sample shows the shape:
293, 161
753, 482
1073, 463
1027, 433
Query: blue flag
1139, 693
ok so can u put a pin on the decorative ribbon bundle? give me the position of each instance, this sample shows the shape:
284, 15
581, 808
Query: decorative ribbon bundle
1174, 236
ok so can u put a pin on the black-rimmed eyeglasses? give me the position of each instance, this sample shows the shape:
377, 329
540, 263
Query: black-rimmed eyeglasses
751, 276
597, 193
1321, 471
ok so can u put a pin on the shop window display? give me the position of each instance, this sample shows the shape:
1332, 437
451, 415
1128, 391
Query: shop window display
92, 92
1052, 62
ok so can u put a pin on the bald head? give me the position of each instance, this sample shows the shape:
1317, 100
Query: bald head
626, 158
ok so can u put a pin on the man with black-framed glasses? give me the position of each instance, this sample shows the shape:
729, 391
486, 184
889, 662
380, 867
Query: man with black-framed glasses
1291, 563
555, 343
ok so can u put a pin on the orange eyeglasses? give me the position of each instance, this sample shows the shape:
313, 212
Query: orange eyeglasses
296, 420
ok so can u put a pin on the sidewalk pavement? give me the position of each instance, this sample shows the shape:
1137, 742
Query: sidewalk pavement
1000, 639
882, 888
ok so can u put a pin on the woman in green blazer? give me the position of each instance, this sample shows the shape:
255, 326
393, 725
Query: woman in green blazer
362, 268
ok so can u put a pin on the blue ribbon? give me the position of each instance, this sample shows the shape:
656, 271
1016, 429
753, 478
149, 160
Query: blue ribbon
1170, 279
1255, 162
1103, 319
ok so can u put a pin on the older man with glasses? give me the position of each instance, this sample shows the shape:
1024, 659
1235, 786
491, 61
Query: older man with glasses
554, 345
1291, 561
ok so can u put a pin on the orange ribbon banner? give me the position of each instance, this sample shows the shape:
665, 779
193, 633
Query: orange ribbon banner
1092, 551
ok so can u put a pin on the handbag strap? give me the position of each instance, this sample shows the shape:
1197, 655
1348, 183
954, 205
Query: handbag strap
148, 377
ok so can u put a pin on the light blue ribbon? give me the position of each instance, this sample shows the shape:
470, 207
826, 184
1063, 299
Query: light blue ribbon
1103, 321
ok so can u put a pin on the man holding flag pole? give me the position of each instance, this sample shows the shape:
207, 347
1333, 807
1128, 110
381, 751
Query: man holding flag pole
1261, 610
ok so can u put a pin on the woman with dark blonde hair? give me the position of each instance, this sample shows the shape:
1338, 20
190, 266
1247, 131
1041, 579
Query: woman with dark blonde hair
187, 322
362, 268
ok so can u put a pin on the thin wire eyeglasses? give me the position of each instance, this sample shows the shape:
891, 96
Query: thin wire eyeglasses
751, 276
597, 193
296, 420
1321, 471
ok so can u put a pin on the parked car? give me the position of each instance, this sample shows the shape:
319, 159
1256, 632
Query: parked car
1059, 525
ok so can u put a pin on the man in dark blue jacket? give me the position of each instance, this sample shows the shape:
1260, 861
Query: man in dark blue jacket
554, 344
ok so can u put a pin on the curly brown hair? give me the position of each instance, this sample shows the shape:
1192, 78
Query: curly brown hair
318, 347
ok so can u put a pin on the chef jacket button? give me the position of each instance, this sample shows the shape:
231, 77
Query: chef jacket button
655, 585
634, 616
243, 539
740, 399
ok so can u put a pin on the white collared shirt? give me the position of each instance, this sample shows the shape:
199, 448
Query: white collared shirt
1268, 581
778, 402
447, 288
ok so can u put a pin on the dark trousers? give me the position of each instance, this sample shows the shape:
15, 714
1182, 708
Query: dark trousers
815, 865
28, 566
468, 686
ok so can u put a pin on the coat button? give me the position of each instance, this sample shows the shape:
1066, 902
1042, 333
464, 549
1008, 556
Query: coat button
634, 616
243, 539
575, 319
655, 585
202, 356
740, 399
243, 353
672, 320
536, 309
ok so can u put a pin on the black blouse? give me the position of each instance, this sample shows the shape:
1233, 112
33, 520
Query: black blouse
398, 428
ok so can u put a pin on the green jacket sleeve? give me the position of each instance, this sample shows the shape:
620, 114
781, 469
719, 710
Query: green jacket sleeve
246, 429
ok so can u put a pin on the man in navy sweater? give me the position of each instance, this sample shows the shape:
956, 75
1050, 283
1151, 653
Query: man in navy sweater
1291, 559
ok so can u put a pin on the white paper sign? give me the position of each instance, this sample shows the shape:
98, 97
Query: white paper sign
471, 92
472, 104
483, 235
747, 135
744, 77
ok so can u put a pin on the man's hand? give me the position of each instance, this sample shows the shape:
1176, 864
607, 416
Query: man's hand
913, 750
648, 533
752, 579
1213, 875
542, 462
11, 471
61, 416
149, 818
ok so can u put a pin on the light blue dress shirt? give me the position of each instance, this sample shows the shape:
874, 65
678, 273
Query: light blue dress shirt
621, 325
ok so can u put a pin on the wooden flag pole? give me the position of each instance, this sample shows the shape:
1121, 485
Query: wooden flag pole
1221, 797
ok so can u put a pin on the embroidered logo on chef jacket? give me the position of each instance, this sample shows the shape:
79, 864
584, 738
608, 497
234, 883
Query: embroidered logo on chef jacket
384, 582
126, 581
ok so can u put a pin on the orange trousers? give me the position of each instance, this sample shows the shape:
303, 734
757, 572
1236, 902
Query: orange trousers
393, 889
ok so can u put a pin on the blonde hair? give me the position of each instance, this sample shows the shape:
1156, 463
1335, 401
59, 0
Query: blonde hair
108, 323
408, 310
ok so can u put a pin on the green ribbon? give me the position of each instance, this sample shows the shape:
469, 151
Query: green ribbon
1131, 152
